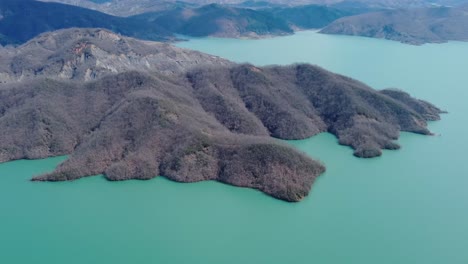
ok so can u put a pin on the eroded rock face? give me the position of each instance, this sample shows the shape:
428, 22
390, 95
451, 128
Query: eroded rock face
89, 54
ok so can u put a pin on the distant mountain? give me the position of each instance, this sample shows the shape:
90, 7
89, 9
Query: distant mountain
449, 3
412, 26
21, 20
311, 16
153, 19
370, 3
257, 4
153, 109
18, 26
125, 8
136, 7
218, 20
230, 21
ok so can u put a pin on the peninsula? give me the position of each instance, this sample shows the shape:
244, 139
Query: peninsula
131, 109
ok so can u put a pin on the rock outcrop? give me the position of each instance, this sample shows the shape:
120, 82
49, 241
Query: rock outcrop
88, 54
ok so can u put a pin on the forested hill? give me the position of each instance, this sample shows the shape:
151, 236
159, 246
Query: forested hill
205, 119
21, 20
413, 26
313, 16
217, 20
135, 7
17, 25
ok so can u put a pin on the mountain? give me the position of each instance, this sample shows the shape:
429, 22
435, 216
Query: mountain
125, 8
135, 7
449, 3
210, 121
87, 54
257, 4
311, 16
412, 26
229, 21
220, 21
18, 25
370, 3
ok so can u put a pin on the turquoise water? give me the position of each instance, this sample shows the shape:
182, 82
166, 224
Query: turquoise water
407, 207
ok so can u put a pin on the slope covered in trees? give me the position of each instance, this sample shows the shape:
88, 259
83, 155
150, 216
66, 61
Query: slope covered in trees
160, 21
129, 7
213, 121
218, 20
21, 20
412, 26
126, 8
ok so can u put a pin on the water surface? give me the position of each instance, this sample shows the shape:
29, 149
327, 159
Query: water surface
407, 207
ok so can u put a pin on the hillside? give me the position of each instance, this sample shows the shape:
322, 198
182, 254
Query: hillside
413, 26
220, 21
312, 16
87, 54
205, 121
125, 8
136, 7
17, 25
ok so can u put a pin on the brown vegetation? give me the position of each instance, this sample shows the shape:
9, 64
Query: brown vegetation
411, 26
203, 123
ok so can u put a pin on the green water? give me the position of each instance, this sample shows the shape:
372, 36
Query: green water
407, 207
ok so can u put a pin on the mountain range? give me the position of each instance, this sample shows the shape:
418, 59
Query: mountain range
135, 7
163, 20
18, 26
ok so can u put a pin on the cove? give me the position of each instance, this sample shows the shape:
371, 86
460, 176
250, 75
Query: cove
408, 206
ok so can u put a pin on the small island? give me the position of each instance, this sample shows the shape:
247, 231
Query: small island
131, 109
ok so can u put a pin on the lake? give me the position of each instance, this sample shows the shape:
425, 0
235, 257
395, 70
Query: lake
408, 207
